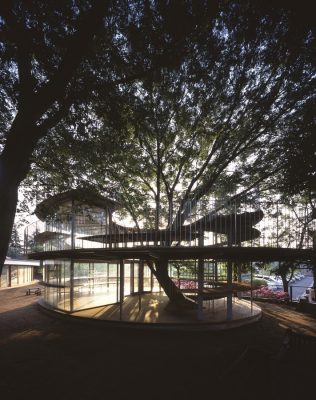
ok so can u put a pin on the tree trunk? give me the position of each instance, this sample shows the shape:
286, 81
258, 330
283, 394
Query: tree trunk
285, 283
177, 300
14, 166
314, 263
8, 202
25, 131
314, 276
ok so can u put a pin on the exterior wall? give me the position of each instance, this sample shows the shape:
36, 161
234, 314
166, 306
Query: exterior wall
15, 275
68, 228
73, 285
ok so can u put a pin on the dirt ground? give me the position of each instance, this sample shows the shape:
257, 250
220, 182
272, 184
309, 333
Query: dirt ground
46, 357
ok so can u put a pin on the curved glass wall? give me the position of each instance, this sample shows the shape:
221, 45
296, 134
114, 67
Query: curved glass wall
73, 226
95, 284
77, 285
56, 277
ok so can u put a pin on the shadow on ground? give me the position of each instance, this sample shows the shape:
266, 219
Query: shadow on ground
45, 357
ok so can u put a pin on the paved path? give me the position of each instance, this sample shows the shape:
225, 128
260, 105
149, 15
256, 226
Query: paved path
59, 359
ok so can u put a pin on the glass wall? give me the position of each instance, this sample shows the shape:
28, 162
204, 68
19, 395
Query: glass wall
15, 275
95, 284
75, 225
56, 277
4, 279
92, 283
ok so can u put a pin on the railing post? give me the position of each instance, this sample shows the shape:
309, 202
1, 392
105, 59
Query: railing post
72, 224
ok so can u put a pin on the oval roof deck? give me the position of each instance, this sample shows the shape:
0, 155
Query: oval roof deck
183, 253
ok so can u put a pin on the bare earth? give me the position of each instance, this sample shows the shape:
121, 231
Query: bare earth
46, 357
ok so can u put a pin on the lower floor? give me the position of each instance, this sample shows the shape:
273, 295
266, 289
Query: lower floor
153, 309
128, 290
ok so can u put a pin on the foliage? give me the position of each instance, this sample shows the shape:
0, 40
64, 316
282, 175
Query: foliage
215, 125
257, 282
15, 246
184, 267
52, 52
184, 283
266, 293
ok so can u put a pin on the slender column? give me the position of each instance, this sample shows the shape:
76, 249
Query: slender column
277, 224
121, 287
251, 291
41, 269
72, 274
140, 283
200, 278
73, 227
141, 276
229, 288
117, 282
110, 229
151, 281
9, 276
200, 288
132, 277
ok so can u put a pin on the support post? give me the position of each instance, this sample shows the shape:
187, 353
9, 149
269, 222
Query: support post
200, 278
132, 277
229, 289
251, 285
141, 276
140, 283
121, 287
73, 224
72, 274
9, 276
110, 230
200, 288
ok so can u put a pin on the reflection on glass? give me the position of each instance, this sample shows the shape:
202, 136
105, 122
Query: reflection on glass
94, 283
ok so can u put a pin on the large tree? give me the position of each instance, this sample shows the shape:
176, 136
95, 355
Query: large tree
222, 121
218, 124
58, 55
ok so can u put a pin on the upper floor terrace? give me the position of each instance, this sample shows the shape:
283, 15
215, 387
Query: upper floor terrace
77, 220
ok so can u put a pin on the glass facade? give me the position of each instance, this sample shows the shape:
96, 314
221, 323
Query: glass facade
15, 275
77, 285
56, 277
72, 285
73, 226
4, 279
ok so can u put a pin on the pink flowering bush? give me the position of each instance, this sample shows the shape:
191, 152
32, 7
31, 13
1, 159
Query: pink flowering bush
267, 293
185, 283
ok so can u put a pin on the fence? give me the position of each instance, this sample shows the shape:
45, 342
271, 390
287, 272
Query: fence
213, 224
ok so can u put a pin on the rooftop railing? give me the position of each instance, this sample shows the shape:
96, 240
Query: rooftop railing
263, 224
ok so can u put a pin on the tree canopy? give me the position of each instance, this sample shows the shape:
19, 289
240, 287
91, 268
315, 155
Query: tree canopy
61, 57
161, 102
222, 122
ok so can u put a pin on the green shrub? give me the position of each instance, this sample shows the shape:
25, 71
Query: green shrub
257, 282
